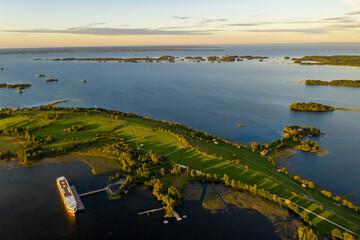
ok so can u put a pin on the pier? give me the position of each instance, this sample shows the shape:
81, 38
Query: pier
92, 192
77, 198
151, 211
176, 215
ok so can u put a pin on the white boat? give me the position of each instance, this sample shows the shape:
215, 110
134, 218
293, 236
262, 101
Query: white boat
67, 195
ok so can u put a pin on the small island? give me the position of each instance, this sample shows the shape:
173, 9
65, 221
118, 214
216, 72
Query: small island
311, 107
345, 60
51, 80
2, 68
17, 85
41, 75
343, 83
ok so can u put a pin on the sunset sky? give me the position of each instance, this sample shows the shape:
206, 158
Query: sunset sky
48, 23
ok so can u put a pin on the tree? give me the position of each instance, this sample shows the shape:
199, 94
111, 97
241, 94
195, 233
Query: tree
254, 146
336, 233
311, 185
348, 236
305, 233
226, 180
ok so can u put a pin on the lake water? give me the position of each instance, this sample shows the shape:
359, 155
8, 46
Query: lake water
214, 97
31, 208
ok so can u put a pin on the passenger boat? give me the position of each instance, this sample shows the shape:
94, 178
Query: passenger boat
67, 195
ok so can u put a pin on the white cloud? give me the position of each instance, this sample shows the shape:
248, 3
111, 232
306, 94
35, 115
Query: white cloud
355, 3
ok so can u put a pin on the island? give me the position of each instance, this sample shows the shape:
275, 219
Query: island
51, 80
2, 68
41, 75
164, 58
311, 107
345, 60
17, 85
343, 83
157, 153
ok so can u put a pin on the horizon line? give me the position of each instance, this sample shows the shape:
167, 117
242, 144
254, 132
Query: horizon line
178, 45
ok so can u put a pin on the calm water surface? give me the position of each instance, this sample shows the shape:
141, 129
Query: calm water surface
213, 97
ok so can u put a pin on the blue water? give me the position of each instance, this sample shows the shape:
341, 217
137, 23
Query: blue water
214, 97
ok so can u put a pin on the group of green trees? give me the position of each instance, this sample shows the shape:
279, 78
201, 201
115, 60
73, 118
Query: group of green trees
293, 138
311, 107
345, 83
347, 60
305, 233
75, 128
308, 146
308, 183
168, 196
145, 168
336, 233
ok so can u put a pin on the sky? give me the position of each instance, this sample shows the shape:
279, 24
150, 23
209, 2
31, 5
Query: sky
65, 23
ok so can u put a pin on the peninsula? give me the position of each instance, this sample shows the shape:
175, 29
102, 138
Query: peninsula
141, 150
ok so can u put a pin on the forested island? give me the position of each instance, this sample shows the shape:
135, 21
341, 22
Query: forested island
311, 107
345, 60
344, 83
51, 80
142, 151
165, 58
17, 85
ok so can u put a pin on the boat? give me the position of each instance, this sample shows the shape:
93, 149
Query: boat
67, 195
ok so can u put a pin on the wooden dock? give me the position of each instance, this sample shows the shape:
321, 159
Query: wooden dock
151, 211
92, 192
77, 198
176, 215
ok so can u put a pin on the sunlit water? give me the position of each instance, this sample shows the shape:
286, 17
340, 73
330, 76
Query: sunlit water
214, 97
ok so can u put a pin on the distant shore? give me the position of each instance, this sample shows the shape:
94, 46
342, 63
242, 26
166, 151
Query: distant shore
10, 51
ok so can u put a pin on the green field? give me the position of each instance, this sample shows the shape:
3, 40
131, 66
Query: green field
209, 158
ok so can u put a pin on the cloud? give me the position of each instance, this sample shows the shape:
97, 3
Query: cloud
354, 13
250, 24
111, 31
345, 26
180, 18
306, 30
355, 3
205, 21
